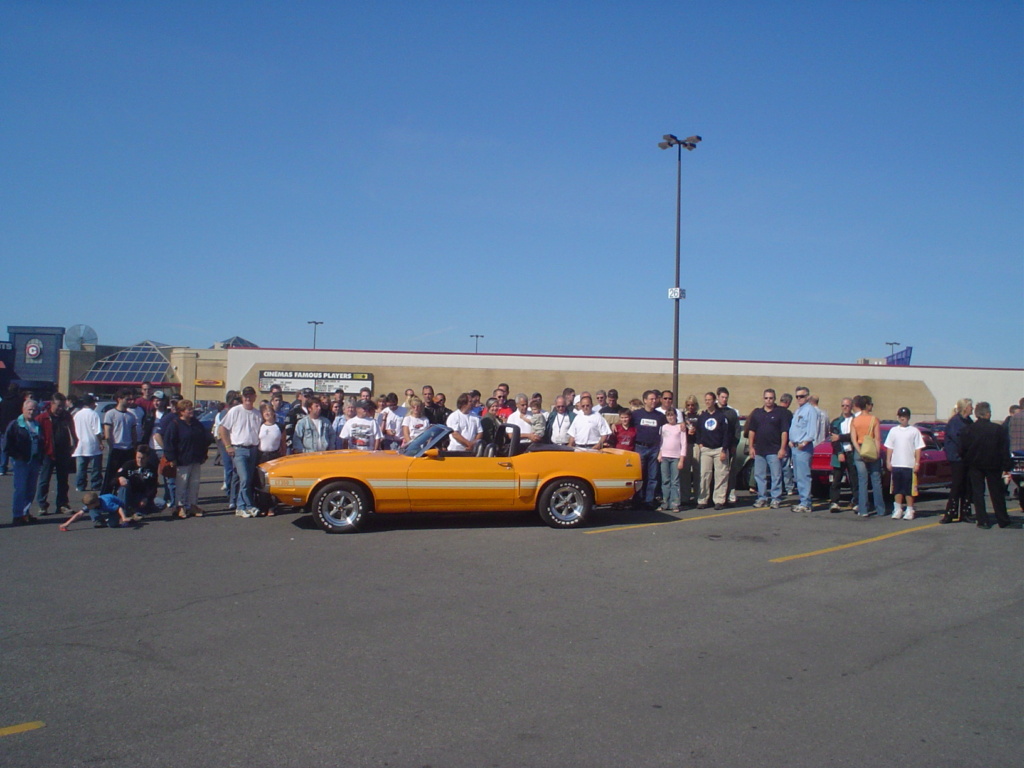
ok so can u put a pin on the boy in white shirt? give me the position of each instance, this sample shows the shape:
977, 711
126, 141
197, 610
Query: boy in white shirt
903, 458
464, 425
362, 432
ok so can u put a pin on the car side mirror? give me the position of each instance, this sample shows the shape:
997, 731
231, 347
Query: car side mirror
433, 453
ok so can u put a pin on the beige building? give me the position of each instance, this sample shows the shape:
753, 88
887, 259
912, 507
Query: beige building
206, 374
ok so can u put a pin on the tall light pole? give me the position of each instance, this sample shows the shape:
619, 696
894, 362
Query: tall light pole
314, 323
476, 341
676, 293
892, 346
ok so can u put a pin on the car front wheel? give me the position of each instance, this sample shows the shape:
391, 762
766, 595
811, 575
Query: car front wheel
565, 503
341, 507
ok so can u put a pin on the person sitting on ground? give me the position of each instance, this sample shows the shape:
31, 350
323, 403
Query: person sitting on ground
137, 482
99, 507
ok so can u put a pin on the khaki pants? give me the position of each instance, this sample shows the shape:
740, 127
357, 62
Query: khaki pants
711, 465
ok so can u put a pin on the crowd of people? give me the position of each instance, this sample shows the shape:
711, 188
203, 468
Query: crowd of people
688, 456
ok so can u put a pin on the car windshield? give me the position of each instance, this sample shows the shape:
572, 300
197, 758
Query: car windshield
427, 439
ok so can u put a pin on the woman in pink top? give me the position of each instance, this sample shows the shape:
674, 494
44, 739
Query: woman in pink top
670, 456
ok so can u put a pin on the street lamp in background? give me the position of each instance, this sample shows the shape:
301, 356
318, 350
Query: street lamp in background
314, 323
676, 293
476, 341
892, 346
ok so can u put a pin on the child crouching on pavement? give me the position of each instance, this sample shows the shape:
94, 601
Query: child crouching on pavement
97, 506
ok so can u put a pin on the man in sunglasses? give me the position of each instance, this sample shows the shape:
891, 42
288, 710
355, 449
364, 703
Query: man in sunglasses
802, 433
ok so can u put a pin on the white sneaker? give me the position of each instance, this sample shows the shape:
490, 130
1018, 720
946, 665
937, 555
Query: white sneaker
897, 513
909, 514
732, 497
223, 486
240, 512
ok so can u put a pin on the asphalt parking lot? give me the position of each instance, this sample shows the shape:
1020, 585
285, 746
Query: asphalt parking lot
746, 637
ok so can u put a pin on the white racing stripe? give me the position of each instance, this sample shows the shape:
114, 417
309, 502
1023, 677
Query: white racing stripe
444, 484
510, 483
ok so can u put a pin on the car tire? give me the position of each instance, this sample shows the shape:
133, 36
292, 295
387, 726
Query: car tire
341, 507
565, 503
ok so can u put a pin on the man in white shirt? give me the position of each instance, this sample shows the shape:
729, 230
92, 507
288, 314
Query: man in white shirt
89, 451
391, 422
668, 400
464, 425
240, 433
588, 429
522, 418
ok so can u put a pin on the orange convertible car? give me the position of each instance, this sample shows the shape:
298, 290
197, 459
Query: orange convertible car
341, 488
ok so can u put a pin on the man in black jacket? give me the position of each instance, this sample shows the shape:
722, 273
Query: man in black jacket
987, 454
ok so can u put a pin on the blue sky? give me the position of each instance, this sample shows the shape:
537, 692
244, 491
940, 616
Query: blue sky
414, 173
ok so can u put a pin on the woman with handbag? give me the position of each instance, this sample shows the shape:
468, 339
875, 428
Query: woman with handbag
866, 436
186, 442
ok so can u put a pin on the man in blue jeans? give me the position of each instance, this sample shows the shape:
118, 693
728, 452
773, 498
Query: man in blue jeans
802, 433
648, 423
769, 436
240, 433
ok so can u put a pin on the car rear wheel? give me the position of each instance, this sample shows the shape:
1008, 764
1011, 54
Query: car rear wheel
565, 503
341, 507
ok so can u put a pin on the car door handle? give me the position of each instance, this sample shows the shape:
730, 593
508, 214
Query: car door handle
505, 464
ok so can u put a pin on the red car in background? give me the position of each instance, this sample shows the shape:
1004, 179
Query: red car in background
935, 471
937, 428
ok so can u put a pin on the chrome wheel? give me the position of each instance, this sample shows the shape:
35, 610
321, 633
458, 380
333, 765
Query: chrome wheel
340, 507
565, 503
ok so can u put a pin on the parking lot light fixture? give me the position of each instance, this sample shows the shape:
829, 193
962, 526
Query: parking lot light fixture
676, 293
314, 323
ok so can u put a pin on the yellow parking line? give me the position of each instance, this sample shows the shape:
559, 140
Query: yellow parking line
681, 520
853, 544
12, 729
